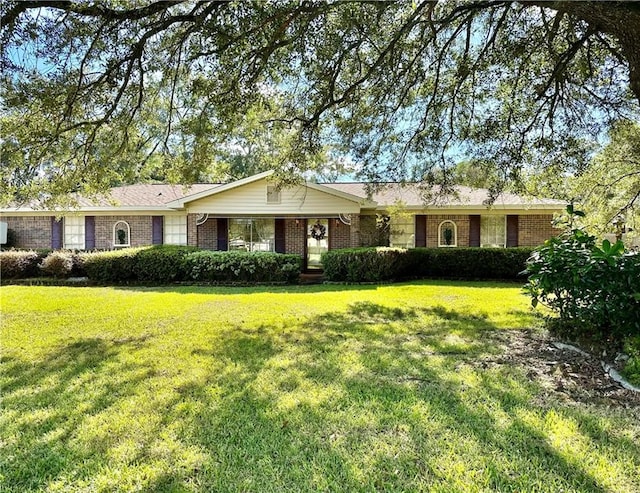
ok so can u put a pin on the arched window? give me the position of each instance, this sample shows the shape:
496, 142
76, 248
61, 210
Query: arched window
447, 234
121, 234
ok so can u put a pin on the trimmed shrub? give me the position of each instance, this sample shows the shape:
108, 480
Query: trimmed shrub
364, 264
111, 267
211, 266
59, 263
162, 263
15, 264
382, 264
468, 262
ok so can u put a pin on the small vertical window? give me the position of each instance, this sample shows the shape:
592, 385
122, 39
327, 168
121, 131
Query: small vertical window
447, 234
175, 230
402, 231
273, 195
74, 232
493, 231
121, 234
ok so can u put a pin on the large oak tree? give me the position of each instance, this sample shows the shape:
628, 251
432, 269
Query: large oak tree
104, 92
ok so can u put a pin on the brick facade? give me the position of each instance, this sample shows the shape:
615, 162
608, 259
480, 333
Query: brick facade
295, 236
339, 234
192, 230
533, 230
31, 231
140, 226
35, 231
208, 234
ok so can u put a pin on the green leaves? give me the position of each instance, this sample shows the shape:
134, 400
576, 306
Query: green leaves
592, 289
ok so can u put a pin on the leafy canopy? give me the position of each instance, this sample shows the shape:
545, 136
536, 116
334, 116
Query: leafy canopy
100, 93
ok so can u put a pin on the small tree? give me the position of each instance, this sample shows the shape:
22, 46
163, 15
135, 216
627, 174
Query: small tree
594, 290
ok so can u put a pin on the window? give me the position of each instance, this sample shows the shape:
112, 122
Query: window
447, 234
252, 235
273, 195
175, 230
402, 231
121, 234
74, 232
493, 231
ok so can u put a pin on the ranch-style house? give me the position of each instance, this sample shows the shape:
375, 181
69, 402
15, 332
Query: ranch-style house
252, 214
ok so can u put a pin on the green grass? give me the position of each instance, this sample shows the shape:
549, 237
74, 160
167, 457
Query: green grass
319, 388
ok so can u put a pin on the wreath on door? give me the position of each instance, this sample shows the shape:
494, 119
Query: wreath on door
318, 231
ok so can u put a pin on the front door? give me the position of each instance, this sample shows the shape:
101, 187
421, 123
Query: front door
317, 242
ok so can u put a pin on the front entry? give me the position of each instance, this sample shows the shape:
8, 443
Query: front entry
317, 242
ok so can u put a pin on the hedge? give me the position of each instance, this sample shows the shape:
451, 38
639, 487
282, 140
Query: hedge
468, 262
111, 267
167, 263
162, 263
364, 264
209, 266
16, 264
382, 264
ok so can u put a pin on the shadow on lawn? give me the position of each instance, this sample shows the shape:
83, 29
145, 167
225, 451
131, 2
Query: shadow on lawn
361, 400
310, 288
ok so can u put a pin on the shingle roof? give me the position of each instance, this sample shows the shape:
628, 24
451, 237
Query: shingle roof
147, 195
412, 194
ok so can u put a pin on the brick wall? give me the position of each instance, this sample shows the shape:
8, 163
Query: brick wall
31, 231
533, 230
192, 230
339, 234
208, 234
462, 225
356, 233
295, 236
141, 230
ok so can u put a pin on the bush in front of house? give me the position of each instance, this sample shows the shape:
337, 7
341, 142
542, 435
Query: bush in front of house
594, 290
17, 264
467, 263
111, 267
369, 264
59, 263
382, 264
249, 267
162, 263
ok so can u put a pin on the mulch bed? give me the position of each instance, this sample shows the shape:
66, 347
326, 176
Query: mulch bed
563, 373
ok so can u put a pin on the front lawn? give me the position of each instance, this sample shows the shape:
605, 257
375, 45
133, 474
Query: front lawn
317, 388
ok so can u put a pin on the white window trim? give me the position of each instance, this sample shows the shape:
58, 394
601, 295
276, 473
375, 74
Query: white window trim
441, 242
80, 225
411, 237
116, 243
171, 223
493, 245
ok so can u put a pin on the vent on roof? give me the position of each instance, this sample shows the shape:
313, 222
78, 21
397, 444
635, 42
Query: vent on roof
273, 195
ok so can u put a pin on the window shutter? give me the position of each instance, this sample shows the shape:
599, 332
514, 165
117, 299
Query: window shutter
421, 230
223, 234
474, 231
512, 231
157, 232
56, 234
89, 232
280, 236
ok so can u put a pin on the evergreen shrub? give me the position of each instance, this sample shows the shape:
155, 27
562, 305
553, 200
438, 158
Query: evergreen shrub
162, 263
382, 264
224, 267
16, 264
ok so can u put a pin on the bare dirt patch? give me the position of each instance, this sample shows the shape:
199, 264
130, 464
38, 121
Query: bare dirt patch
564, 373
